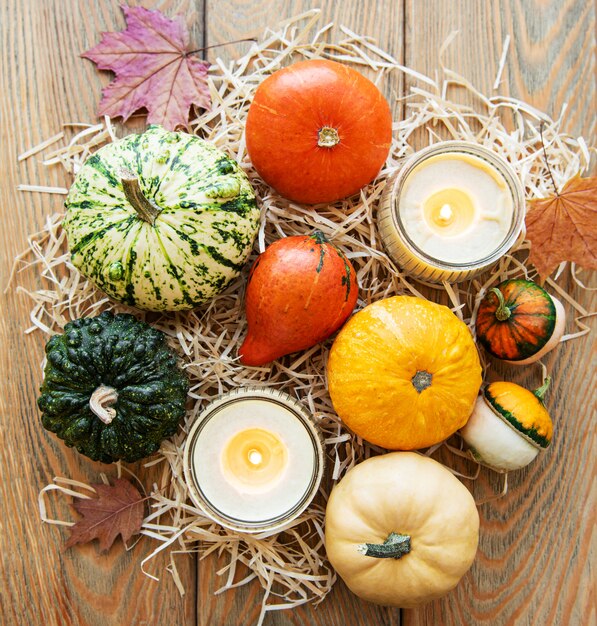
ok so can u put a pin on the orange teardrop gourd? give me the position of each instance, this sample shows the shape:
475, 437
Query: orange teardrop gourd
299, 292
318, 131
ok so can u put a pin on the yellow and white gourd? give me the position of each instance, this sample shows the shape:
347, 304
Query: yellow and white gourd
509, 426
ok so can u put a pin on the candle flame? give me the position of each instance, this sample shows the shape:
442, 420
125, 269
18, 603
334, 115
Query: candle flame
446, 213
255, 457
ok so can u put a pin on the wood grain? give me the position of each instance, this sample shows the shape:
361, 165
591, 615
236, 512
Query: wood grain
534, 562
533, 565
42, 84
551, 58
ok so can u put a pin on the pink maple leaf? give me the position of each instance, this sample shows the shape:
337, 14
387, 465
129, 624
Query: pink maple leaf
153, 68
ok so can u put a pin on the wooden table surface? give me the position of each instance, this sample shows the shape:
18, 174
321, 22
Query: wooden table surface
534, 562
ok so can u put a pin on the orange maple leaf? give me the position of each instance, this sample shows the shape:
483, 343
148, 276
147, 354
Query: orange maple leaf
563, 227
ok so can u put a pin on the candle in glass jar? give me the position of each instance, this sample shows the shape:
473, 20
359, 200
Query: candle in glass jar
452, 211
456, 207
253, 460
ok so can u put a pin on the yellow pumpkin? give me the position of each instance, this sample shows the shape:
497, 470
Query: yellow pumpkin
509, 425
404, 373
401, 530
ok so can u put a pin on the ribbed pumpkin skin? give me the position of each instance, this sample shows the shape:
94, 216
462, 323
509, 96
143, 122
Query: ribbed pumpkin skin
200, 240
120, 352
290, 108
405, 493
300, 291
530, 325
376, 356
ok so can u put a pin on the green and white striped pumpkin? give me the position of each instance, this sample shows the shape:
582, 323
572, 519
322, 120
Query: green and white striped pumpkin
161, 221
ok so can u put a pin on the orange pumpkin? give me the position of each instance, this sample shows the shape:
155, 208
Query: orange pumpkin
318, 131
404, 373
300, 291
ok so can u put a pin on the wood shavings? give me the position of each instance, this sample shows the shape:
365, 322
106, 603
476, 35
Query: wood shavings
43, 189
291, 565
498, 76
41, 146
499, 494
61, 485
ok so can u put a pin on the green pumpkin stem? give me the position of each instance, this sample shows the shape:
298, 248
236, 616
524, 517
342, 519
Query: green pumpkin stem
146, 211
327, 137
540, 392
394, 547
421, 380
502, 313
319, 237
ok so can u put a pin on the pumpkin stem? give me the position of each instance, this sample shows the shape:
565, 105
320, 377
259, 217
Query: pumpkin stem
319, 237
394, 547
101, 402
502, 313
132, 191
327, 137
421, 380
540, 393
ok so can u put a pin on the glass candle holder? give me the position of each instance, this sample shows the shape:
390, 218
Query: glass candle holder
451, 212
253, 460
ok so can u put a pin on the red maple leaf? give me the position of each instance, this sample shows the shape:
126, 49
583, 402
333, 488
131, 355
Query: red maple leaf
154, 69
117, 510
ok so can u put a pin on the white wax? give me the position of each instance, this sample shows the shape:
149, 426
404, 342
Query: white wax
490, 195
228, 497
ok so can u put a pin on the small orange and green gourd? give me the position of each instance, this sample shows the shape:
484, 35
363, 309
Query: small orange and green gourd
519, 322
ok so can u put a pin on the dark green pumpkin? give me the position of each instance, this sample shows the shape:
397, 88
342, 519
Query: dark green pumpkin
112, 388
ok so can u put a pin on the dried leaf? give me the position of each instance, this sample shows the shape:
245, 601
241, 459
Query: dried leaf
118, 510
563, 227
154, 69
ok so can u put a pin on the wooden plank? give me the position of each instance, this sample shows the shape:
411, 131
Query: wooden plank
533, 565
44, 83
550, 59
227, 21
534, 541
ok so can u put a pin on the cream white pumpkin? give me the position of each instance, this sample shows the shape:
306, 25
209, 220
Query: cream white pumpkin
401, 530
